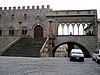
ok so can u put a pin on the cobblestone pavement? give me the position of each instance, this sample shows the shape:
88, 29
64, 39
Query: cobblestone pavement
47, 66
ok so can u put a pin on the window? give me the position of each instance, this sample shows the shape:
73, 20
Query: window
24, 32
25, 16
0, 17
11, 32
0, 32
12, 17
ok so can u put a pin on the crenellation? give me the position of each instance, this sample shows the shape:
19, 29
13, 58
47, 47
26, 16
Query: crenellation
19, 7
23, 7
48, 6
9, 8
33, 7
37, 7
28, 7
0, 8
42, 6
14, 8
5, 8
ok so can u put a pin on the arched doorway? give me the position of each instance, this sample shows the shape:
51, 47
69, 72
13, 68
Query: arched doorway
71, 45
38, 31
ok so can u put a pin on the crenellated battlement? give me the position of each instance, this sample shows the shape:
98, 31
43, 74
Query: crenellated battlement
23, 7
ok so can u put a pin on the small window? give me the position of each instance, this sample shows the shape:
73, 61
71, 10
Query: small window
0, 32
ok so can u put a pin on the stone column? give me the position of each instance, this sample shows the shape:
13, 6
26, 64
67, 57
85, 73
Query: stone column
20, 30
83, 24
62, 28
73, 27
68, 28
78, 27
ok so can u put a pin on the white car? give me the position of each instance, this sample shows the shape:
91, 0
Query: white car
76, 54
96, 55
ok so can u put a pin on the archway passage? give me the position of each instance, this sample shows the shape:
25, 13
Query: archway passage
38, 31
71, 46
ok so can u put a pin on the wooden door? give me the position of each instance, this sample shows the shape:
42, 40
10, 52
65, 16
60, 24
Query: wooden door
38, 31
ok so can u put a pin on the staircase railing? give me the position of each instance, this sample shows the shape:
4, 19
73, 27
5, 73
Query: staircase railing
43, 50
9, 45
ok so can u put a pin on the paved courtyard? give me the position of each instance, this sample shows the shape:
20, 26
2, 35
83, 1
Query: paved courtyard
47, 66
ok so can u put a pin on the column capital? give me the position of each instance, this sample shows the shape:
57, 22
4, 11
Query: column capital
67, 24
62, 24
83, 24
78, 24
73, 24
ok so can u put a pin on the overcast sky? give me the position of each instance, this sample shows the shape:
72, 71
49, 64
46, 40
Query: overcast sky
55, 4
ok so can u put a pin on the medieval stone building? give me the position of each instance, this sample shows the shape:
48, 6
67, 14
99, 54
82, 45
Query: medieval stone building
23, 30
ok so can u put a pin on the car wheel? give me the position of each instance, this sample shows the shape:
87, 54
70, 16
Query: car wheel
82, 59
70, 59
93, 59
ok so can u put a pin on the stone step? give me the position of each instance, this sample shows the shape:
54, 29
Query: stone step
26, 47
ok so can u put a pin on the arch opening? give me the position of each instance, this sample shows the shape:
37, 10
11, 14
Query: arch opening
38, 31
71, 45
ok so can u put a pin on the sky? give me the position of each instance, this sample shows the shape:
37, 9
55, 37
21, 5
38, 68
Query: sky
55, 4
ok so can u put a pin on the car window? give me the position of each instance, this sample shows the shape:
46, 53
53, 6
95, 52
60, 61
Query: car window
77, 53
96, 52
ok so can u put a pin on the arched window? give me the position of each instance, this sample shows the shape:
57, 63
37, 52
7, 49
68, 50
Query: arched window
11, 31
24, 30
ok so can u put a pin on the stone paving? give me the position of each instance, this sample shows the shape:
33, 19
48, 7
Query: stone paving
47, 66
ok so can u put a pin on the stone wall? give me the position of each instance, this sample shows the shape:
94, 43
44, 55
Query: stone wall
5, 40
89, 42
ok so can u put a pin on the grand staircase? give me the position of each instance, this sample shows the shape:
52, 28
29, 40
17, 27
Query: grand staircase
25, 47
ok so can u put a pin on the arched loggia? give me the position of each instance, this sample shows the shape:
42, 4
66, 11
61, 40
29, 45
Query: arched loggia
71, 46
